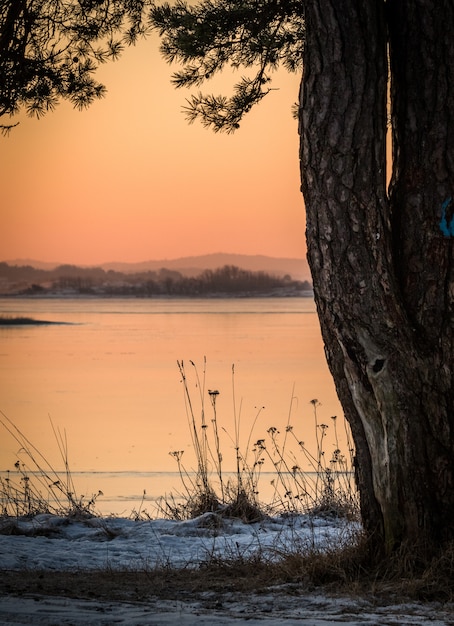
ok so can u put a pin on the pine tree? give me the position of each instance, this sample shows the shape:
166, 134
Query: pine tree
381, 256
50, 50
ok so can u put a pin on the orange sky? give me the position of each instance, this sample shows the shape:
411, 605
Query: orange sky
130, 180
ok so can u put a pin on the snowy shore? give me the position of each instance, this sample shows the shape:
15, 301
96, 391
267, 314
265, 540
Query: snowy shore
51, 545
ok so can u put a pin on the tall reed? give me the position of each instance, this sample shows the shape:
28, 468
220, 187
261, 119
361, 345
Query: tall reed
326, 486
210, 490
36, 487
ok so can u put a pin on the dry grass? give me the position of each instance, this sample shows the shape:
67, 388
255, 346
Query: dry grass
326, 487
36, 487
327, 490
338, 572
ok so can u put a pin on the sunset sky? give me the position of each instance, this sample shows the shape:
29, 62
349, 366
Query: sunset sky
130, 180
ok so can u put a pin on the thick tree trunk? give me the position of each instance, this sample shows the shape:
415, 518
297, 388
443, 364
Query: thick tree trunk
392, 368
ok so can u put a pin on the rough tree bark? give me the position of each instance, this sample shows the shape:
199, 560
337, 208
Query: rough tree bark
382, 265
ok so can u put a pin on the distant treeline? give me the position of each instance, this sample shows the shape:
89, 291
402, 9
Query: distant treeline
230, 280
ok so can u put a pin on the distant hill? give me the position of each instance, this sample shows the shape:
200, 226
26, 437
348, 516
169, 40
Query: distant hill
193, 265
142, 281
39, 265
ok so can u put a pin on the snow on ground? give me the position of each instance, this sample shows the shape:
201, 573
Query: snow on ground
253, 610
55, 543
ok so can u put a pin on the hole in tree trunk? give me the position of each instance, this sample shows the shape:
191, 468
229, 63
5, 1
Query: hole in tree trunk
378, 365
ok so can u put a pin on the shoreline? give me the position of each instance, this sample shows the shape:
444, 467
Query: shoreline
207, 296
28, 321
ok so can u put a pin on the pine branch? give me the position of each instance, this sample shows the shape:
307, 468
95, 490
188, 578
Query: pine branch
207, 37
50, 49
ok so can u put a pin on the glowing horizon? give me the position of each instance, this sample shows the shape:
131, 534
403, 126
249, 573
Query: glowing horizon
129, 180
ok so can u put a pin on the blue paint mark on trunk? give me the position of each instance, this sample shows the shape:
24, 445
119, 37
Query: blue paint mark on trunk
447, 228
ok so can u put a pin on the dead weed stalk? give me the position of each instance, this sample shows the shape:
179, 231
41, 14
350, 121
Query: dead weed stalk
325, 487
35, 486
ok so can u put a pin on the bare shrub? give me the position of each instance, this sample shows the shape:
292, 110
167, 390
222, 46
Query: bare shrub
326, 488
36, 487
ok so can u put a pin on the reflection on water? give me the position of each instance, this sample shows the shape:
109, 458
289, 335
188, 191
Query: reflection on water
110, 382
122, 493
144, 494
